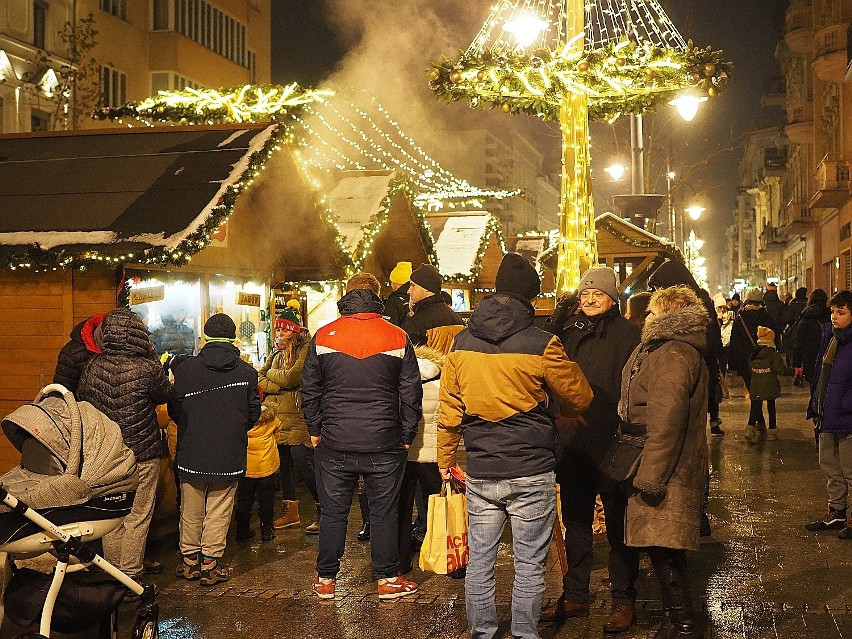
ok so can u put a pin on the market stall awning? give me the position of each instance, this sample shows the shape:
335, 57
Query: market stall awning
469, 246
115, 192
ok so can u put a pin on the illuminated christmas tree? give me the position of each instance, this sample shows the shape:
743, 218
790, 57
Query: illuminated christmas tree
572, 60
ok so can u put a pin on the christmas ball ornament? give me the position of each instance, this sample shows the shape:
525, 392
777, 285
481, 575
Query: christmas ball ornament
481, 75
506, 107
712, 92
583, 66
620, 62
434, 74
709, 69
536, 62
694, 78
456, 77
183, 120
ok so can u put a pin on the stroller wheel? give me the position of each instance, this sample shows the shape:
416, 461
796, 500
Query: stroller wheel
146, 630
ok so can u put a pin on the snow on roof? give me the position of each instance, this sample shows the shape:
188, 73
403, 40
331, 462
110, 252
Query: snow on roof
355, 201
459, 243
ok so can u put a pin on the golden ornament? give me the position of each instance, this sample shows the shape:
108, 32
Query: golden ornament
434, 74
620, 62
481, 75
709, 69
456, 77
583, 66
506, 107
712, 92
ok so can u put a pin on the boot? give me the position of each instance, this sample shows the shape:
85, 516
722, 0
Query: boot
267, 533
314, 527
563, 609
364, 533
289, 515
244, 532
679, 623
622, 617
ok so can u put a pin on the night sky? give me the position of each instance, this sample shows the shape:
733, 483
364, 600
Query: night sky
316, 41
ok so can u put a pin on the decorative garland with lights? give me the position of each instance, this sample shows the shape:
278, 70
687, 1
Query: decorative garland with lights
621, 77
249, 103
607, 226
492, 227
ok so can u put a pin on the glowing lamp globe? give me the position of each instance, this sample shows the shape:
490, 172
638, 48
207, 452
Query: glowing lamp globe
616, 171
687, 104
695, 211
526, 27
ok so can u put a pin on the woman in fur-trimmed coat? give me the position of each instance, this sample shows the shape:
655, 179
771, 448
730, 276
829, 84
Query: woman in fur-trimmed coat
664, 394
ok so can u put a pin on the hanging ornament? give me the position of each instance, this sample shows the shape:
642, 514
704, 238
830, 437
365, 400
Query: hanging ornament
712, 92
456, 76
583, 66
536, 62
481, 75
722, 79
620, 62
694, 78
709, 69
434, 74
505, 107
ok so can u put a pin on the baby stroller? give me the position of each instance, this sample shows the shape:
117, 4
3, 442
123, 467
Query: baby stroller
75, 483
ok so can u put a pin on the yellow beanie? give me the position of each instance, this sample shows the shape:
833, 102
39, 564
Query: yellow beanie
295, 304
401, 273
765, 336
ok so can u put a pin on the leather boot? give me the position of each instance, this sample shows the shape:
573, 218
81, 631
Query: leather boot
563, 609
289, 515
364, 533
622, 617
314, 527
670, 566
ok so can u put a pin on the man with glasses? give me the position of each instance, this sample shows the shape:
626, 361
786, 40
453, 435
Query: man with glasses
600, 341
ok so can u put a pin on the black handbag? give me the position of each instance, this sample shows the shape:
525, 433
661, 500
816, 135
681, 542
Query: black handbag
625, 453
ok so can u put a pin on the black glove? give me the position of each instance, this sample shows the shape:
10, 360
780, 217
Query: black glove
566, 308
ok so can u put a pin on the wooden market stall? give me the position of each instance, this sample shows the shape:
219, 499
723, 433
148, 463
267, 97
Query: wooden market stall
469, 247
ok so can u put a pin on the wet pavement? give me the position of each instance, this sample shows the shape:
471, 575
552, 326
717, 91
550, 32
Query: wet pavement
760, 575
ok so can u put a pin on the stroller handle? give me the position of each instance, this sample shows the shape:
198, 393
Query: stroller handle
75, 453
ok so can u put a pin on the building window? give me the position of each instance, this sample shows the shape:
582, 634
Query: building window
208, 26
252, 67
118, 8
39, 120
113, 87
159, 82
161, 15
39, 23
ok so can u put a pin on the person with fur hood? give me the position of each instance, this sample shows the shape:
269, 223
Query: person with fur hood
664, 399
744, 333
86, 341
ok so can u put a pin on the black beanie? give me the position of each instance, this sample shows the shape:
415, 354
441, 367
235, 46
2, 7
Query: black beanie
220, 326
428, 277
517, 275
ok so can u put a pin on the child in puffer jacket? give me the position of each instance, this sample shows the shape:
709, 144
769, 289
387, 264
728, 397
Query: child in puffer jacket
767, 365
262, 464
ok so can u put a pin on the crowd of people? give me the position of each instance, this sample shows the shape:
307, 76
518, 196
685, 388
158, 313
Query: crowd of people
399, 395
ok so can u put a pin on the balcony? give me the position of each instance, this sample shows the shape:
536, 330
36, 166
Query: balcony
774, 162
799, 32
832, 184
771, 240
830, 56
797, 219
800, 123
774, 92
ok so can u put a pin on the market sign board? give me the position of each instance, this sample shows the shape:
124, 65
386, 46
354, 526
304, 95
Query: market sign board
147, 294
248, 299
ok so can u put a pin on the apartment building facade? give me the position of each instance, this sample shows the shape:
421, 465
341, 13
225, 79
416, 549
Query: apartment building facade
141, 47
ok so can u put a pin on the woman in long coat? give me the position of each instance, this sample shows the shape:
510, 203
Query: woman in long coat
664, 394
280, 380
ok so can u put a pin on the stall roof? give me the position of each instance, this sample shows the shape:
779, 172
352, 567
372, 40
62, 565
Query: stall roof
114, 191
462, 242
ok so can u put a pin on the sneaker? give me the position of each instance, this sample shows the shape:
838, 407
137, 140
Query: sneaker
846, 533
834, 520
395, 588
324, 588
189, 568
212, 573
716, 428
364, 533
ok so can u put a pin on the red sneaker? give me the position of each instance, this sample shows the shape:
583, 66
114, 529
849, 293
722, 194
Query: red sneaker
324, 588
396, 588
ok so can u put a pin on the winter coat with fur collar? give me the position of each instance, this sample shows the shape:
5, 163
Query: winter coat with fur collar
664, 388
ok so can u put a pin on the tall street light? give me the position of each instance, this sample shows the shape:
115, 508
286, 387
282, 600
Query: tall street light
570, 61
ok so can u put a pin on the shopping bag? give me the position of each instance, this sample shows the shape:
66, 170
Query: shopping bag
445, 547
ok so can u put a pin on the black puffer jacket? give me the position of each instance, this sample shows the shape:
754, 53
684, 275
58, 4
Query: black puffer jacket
750, 317
86, 341
601, 348
216, 406
396, 305
126, 384
430, 312
806, 338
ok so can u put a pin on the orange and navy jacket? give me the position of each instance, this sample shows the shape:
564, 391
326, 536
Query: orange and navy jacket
501, 387
361, 388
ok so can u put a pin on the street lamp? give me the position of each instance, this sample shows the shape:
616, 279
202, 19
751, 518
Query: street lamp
526, 27
616, 171
695, 211
687, 104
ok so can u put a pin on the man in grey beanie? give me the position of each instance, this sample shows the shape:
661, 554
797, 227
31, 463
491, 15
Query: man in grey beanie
600, 341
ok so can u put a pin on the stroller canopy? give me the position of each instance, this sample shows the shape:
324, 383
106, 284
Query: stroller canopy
70, 452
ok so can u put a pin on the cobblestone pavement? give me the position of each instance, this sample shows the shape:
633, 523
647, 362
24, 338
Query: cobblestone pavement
760, 574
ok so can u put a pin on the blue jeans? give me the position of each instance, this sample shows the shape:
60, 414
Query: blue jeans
337, 478
530, 502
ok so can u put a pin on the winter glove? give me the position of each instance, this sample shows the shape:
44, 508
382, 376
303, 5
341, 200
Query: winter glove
566, 307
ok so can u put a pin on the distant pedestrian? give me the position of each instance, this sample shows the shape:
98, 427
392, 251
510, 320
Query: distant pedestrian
744, 333
792, 315
432, 322
726, 324
637, 308
735, 303
217, 404
767, 366
258, 484
664, 399
831, 396
808, 333
396, 304
361, 395
498, 389
774, 306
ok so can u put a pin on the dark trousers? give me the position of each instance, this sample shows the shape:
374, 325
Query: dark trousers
670, 566
755, 415
429, 478
262, 488
579, 486
337, 478
298, 458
